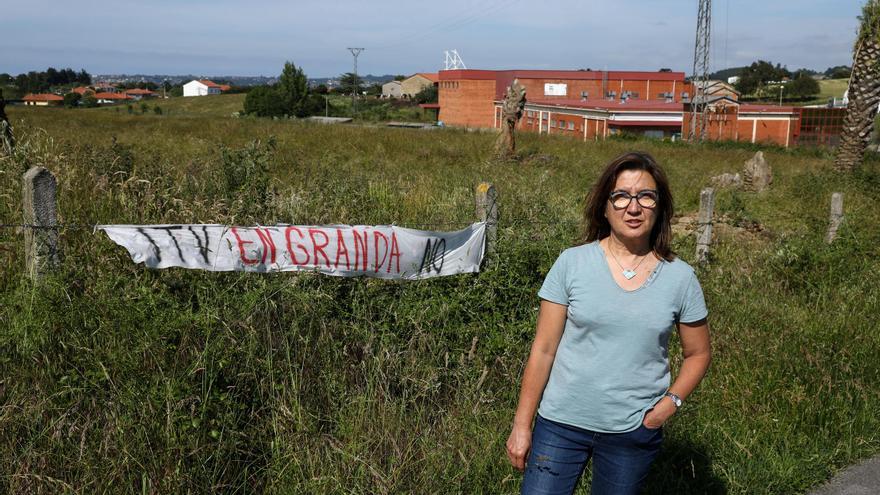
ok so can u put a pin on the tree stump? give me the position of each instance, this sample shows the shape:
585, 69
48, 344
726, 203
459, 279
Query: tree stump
511, 112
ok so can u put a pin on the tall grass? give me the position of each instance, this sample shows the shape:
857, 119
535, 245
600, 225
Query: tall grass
114, 378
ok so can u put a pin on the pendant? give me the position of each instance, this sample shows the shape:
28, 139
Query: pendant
629, 274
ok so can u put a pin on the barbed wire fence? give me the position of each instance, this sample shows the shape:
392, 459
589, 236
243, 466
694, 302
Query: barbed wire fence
41, 228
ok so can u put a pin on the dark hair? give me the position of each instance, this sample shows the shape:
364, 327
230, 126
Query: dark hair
596, 226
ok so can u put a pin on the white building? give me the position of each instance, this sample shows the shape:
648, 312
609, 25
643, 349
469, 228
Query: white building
392, 89
201, 87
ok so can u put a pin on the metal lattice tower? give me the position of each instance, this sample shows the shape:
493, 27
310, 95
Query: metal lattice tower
700, 78
355, 52
453, 60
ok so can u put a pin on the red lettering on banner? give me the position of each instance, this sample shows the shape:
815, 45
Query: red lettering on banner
241, 243
360, 248
268, 243
395, 252
341, 250
319, 248
305, 251
378, 264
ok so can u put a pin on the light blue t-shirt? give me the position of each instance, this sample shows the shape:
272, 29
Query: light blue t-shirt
612, 364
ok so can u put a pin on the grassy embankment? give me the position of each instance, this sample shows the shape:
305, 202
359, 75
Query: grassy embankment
118, 379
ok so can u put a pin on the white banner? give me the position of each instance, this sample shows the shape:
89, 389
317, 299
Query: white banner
382, 251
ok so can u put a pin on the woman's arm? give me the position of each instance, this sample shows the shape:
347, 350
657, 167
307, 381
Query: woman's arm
551, 323
697, 353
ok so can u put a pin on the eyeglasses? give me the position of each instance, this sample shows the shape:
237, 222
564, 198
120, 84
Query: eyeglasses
622, 199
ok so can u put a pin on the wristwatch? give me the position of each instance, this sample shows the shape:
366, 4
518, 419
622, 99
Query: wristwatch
675, 399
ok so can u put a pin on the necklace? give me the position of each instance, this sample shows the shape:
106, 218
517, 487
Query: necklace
629, 274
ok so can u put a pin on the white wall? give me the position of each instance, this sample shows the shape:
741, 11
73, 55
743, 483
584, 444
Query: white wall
194, 88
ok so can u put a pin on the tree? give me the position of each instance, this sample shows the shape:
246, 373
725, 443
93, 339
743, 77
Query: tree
89, 100
838, 72
293, 89
758, 74
864, 91
351, 83
428, 94
264, 101
802, 85
71, 100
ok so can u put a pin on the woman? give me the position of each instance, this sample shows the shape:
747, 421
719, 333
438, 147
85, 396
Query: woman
599, 364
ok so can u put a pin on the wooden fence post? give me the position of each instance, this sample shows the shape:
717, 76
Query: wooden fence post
41, 222
704, 224
836, 217
487, 211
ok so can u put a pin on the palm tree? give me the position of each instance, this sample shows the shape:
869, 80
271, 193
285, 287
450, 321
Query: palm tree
864, 91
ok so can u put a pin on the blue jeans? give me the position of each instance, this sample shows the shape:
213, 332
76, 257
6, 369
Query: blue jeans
560, 452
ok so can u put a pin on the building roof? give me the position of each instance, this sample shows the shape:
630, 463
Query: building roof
208, 83
445, 75
81, 90
112, 96
42, 97
644, 123
631, 105
749, 108
431, 76
139, 91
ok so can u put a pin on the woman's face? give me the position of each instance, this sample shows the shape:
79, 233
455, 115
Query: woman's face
633, 221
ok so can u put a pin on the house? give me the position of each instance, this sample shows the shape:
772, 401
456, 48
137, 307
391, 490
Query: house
415, 83
139, 94
42, 99
203, 87
107, 97
82, 90
392, 89
720, 88
105, 87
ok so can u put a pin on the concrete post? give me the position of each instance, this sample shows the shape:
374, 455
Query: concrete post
41, 240
487, 211
704, 224
836, 217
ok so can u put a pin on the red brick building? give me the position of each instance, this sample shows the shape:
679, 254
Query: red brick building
467, 97
596, 104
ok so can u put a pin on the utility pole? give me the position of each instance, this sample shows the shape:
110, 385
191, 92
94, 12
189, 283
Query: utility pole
354, 53
699, 108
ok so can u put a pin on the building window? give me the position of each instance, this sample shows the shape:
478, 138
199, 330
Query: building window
531, 122
562, 124
571, 125
633, 94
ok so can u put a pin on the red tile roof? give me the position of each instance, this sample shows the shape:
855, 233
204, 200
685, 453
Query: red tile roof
81, 90
431, 76
42, 97
224, 87
138, 91
112, 96
210, 84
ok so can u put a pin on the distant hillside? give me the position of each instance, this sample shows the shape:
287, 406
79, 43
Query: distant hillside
725, 73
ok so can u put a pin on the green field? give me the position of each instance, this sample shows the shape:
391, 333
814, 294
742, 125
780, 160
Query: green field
832, 88
223, 106
119, 379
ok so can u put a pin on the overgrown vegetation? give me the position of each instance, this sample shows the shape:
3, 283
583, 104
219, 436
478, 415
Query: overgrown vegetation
114, 378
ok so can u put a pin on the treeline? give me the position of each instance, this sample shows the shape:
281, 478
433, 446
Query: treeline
762, 76
41, 82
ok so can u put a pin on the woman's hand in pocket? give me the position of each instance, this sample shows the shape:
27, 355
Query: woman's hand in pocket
659, 414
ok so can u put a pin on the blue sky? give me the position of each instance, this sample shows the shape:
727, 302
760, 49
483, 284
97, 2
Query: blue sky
224, 37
